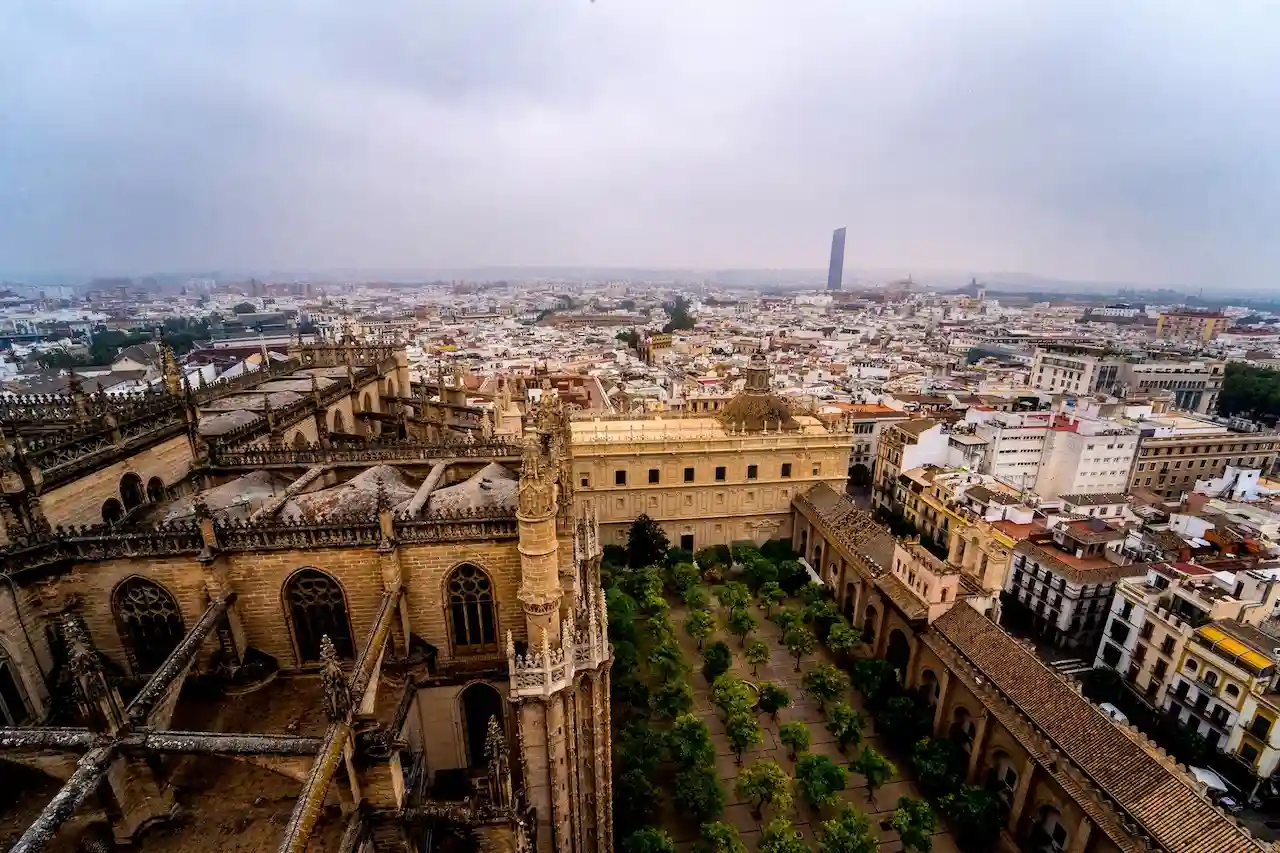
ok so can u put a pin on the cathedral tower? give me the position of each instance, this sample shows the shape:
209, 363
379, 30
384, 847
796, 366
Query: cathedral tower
560, 686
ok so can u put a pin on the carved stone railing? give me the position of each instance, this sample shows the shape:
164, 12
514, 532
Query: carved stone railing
339, 355
41, 409
284, 535
286, 416
250, 379
101, 542
70, 545
258, 456
457, 530
546, 670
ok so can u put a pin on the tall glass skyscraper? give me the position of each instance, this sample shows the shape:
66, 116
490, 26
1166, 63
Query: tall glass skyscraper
835, 273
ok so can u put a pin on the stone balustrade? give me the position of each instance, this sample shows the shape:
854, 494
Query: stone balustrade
546, 670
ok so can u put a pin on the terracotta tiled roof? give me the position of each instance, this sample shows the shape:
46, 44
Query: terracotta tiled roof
1098, 570
1160, 799
851, 528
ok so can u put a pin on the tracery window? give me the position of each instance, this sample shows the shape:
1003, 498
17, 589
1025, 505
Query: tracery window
149, 622
471, 615
317, 606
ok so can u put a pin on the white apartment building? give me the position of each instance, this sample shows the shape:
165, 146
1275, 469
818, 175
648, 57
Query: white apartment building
1070, 370
1060, 583
1195, 385
1014, 444
1083, 456
1056, 453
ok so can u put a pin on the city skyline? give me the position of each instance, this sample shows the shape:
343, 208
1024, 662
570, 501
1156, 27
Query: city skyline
1098, 142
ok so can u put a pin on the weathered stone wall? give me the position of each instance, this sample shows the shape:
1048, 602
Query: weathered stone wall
27, 659
440, 715
80, 502
426, 568
95, 585
259, 580
304, 429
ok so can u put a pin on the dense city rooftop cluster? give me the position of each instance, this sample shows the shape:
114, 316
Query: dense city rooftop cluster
288, 522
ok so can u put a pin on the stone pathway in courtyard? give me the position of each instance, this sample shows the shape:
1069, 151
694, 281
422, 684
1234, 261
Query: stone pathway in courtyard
781, 669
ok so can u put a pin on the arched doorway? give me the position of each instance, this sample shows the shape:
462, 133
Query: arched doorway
480, 703
860, 476
804, 542
155, 490
149, 623
339, 422
317, 607
817, 557
472, 624
1002, 778
962, 729
299, 441
14, 709
850, 592
366, 403
112, 511
1048, 835
131, 493
898, 654
930, 690
869, 626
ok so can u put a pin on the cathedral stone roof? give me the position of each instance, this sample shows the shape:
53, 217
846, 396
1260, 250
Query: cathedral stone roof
492, 487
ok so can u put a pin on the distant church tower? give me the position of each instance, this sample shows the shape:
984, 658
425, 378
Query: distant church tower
561, 686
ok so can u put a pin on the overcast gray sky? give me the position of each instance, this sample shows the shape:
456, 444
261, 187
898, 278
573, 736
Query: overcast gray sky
1125, 140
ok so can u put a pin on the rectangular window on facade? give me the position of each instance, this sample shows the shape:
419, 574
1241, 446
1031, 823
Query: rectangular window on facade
817, 468
585, 481
720, 474
686, 541
752, 471
786, 469
688, 475
653, 475
619, 478
1160, 669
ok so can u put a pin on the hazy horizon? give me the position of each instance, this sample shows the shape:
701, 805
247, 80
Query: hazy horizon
1094, 142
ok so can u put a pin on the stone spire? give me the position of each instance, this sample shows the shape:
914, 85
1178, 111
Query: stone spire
79, 399
337, 694
172, 375
499, 761
99, 701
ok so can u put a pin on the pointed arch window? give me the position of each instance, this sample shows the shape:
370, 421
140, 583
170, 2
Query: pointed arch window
317, 606
14, 709
149, 622
472, 623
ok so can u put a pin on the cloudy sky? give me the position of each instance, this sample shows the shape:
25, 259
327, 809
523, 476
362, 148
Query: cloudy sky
1126, 140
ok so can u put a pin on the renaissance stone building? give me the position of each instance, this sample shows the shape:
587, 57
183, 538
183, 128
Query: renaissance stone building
318, 607
708, 479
